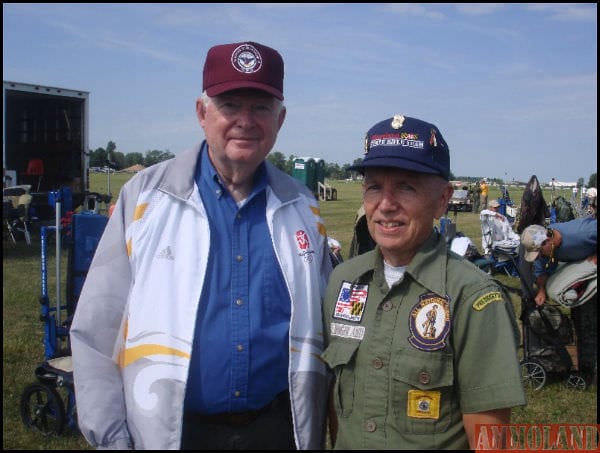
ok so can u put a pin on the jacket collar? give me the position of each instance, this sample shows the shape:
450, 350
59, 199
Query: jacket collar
180, 175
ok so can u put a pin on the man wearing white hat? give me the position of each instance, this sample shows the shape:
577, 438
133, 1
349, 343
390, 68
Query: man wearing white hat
497, 230
568, 242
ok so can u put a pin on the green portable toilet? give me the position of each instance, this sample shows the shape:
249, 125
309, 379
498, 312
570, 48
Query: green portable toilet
319, 171
305, 170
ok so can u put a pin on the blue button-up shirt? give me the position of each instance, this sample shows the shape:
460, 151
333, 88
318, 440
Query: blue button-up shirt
240, 353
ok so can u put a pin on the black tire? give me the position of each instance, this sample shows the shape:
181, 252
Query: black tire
42, 409
534, 374
576, 382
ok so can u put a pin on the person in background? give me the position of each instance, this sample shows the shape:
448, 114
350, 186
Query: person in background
484, 193
422, 344
335, 251
477, 196
497, 230
592, 194
199, 325
567, 242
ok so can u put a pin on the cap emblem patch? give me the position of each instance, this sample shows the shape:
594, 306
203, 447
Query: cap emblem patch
432, 139
246, 59
397, 121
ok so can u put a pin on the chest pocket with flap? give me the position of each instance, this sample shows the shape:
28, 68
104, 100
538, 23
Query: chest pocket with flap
424, 398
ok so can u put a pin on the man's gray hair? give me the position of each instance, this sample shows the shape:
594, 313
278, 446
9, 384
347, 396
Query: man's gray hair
205, 98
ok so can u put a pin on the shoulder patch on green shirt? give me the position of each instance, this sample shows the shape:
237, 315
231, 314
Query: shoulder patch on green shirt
487, 299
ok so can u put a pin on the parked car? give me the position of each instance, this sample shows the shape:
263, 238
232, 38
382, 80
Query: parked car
460, 201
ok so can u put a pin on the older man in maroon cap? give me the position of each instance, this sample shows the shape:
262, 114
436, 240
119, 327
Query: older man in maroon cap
200, 326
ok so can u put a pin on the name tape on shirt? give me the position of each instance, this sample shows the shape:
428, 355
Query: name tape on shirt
346, 331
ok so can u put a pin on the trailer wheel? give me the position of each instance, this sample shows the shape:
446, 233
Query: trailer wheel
42, 409
575, 381
534, 375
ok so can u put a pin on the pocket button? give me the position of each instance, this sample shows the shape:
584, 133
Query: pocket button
424, 377
370, 426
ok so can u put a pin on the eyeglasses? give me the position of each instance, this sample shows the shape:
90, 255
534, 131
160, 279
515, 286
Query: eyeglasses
403, 193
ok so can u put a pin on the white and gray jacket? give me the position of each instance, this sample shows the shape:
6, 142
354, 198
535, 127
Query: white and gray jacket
133, 329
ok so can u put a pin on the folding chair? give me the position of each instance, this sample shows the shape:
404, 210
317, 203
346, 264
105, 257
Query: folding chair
15, 211
35, 167
500, 242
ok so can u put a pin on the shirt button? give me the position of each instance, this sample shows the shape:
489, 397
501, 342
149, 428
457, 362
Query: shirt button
239, 302
240, 347
370, 426
424, 377
387, 306
239, 258
377, 363
237, 393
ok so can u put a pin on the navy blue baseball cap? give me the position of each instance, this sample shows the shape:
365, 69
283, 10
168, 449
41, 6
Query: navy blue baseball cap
406, 143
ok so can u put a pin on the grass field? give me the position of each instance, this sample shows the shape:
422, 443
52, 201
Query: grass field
23, 332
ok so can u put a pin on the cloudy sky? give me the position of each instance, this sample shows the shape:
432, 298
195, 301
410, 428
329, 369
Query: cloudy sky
512, 87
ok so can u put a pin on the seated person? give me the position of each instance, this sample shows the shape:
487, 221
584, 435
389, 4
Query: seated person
497, 232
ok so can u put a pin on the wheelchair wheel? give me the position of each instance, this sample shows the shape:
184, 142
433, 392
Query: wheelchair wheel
42, 409
534, 375
576, 382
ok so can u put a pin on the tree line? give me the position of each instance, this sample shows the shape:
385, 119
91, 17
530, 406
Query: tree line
109, 156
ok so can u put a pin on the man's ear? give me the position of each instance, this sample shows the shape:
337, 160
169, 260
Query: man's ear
200, 111
445, 195
282, 117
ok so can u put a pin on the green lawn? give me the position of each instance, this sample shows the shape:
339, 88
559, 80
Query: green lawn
23, 349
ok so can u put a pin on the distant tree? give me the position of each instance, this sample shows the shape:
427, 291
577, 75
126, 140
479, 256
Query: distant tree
118, 160
278, 159
356, 161
111, 147
134, 159
334, 171
346, 172
290, 164
98, 157
155, 156
592, 181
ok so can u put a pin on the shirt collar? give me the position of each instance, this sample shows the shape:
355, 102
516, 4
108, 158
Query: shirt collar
209, 175
428, 266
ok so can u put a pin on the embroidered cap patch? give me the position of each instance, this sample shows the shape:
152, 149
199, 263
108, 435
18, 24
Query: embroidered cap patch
351, 301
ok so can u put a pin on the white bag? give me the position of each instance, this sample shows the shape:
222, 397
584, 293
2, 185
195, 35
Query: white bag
573, 284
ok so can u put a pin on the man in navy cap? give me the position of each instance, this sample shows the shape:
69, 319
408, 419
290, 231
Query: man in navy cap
423, 345
199, 326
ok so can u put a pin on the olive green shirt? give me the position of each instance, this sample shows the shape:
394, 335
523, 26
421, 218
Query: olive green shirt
411, 359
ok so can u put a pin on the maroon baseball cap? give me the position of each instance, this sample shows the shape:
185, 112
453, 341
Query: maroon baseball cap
243, 65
